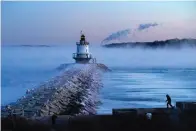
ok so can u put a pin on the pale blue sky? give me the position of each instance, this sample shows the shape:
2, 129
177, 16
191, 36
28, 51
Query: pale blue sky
61, 22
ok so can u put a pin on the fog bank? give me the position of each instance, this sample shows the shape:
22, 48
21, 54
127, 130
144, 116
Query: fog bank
145, 58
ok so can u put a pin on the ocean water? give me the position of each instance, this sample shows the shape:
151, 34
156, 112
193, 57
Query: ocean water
139, 77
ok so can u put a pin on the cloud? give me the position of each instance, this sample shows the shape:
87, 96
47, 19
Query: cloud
117, 35
146, 26
122, 33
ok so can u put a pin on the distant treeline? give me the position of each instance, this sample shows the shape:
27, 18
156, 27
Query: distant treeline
174, 43
34, 45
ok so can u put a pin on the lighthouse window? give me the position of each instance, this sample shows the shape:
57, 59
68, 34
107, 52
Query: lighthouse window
86, 50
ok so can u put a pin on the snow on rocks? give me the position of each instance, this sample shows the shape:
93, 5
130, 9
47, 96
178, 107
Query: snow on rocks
74, 92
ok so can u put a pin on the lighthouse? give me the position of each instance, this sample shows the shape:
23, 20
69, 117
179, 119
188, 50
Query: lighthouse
82, 54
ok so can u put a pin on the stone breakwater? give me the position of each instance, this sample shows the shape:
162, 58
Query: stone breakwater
74, 92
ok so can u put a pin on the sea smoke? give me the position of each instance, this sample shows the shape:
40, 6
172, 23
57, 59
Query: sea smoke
123, 33
117, 35
146, 26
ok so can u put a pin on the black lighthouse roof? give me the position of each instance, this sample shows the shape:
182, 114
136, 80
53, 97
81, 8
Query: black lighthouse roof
82, 38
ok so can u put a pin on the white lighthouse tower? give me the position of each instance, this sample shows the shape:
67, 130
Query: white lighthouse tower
82, 55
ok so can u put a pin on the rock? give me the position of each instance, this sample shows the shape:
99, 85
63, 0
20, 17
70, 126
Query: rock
74, 92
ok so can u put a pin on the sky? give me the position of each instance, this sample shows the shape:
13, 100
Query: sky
62, 22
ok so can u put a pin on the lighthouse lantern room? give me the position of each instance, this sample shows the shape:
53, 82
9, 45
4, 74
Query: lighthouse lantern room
82, 55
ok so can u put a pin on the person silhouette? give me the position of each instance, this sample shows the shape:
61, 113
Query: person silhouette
54, 117
168, 101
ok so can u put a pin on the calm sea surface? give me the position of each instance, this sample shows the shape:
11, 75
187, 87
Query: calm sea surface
139, 78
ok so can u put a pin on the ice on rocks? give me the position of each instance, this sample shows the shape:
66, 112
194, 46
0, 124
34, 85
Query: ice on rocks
73, 92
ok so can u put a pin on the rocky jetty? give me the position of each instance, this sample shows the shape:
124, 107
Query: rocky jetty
171, 43
74, 92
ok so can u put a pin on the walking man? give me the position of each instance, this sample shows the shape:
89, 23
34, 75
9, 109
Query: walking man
168, 101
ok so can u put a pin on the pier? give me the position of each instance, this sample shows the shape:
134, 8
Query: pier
134, 119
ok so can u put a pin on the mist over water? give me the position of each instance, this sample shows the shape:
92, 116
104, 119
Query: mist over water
139, 77
129, 31
146, 58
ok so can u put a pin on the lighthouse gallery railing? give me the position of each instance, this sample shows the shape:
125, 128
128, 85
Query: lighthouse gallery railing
75, 56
